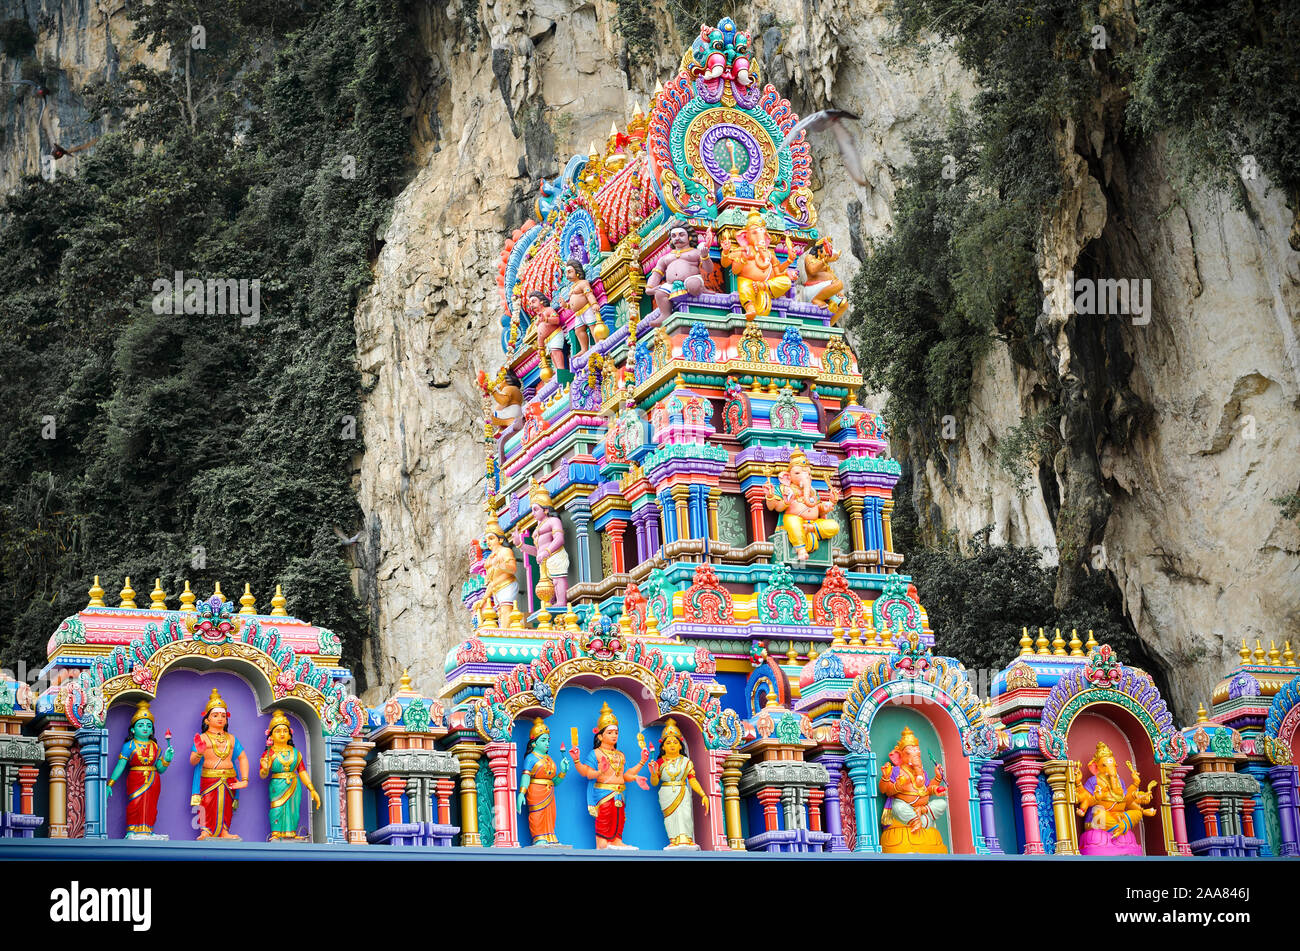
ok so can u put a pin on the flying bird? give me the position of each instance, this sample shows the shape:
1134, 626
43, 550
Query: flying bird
59, 151
833, 119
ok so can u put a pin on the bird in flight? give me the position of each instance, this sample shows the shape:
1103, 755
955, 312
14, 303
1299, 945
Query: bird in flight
833, 119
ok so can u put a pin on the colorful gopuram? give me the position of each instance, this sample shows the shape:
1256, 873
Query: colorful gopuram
686, 624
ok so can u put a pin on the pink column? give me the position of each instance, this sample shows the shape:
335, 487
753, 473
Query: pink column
501, 760
716, 824
1178, 779
1026, 773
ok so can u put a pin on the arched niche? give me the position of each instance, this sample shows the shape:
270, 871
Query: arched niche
1108, 723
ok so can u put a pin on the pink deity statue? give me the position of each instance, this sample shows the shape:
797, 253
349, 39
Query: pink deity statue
681, 270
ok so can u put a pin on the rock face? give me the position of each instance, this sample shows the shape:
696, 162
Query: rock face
544, 81
1179, 431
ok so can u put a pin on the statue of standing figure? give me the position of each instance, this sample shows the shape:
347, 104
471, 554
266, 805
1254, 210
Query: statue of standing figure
606, 766
499, 570
673, 772
548, 547
537, 785
214, 755
284, 765
583, 308
144, 766
550, 332
680, 270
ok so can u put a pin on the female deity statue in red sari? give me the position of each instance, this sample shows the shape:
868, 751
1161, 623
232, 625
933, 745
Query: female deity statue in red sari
143, 765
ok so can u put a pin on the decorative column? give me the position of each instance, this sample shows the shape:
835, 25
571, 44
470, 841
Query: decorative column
754, 496
468, 754
815, 797
501, 760
1283, 781
394, 787
1026, 773
653, 534
670, 515
581, 514
443, 790
681, 498
1209, 809
731, 797
642, 544
834, 768
58, 750
853, 505
1248, 817
714, 494
92, 742
988, 770
354, 762
27, 776
715, 831
886, 510
615, 529
1059, 778
1177, 811
769, 796
329, 794
862, 773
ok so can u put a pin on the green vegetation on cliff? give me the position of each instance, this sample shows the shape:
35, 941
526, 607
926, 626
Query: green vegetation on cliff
200, 446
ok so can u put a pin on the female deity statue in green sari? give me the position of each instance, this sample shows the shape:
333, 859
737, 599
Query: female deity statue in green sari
284, 765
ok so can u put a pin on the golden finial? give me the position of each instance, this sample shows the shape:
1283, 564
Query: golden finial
1092, 642
771, 700
813, 652
1288, 657
127, 594
516, 619
187, 598
570, 619
837, 637
1043, 647
158, 596
247, 600
1273, 655
792, 655
487, 615
96, 595
1076, 645
1026, 645
855, 636
1201, 715
1259, 652
651, 623
1058, 644
278, 603
544, 619
1244, 653
405, 682
591, 149
217, 592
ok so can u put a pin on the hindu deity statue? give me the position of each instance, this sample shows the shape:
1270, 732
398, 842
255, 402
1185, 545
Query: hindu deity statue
550, 332
547, 547
284, 765
583, 308
214, 755
1110, 811
144, 767
760, 275
681, 270
914, 802
804, 512
605, 766
673, 772
537, 785
500, 570
507, 396
822, 286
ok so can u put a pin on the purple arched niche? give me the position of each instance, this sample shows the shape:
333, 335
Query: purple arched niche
182, 695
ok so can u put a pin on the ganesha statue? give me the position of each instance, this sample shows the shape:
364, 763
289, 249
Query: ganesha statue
761, 277
803, 510
1110, 810
914, 802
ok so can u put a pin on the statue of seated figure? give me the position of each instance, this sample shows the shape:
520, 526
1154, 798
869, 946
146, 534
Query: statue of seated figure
913, 804
1110, 811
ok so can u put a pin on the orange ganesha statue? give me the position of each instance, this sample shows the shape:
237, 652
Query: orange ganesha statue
914, 803
760, 275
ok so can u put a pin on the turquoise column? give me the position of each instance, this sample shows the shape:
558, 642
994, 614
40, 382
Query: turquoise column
92, 743
581, 514
329, 797
862, 772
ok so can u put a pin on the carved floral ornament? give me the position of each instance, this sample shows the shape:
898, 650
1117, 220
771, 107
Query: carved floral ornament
1103, 679
913, 671
531, 687
139, 667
